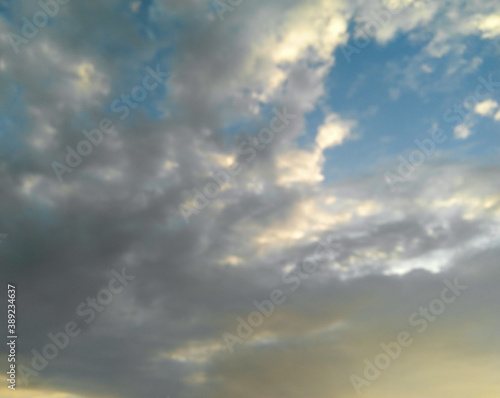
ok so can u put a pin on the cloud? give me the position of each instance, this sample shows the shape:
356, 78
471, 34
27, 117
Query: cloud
333, 132
489, 25
163, 336
305, 166
463, 131
486, 108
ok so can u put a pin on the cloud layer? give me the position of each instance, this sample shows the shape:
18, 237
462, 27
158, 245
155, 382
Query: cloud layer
121, 207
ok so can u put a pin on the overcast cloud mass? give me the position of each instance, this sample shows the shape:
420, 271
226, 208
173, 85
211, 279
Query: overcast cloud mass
170, 167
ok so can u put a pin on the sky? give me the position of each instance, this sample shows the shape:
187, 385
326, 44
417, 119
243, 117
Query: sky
250, 198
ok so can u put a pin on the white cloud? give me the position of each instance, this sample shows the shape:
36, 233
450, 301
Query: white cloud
486, 108
462, 131
489, 25
305, 166
333, 131
300, 166
393, 17
309, 31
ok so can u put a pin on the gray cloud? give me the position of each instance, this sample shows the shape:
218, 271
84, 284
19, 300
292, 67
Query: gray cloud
163, 336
